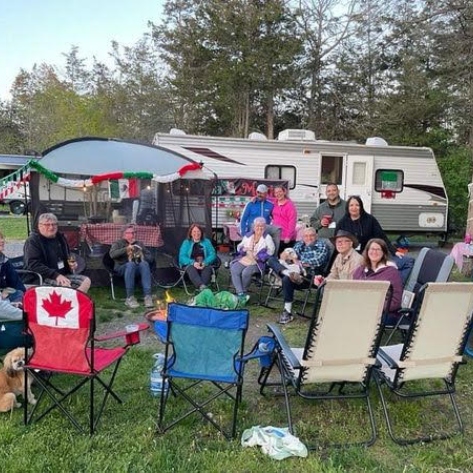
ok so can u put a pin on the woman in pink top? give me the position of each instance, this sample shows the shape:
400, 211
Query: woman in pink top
284, 216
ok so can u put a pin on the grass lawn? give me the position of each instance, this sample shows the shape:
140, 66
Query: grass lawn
14, 227
126, 440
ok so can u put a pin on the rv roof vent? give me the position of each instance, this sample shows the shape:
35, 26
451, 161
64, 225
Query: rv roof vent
257, 136
376, 141
296, 135
176, 132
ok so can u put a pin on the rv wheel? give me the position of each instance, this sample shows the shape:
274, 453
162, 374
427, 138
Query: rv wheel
17, 207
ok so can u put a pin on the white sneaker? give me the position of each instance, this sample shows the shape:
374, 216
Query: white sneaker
148, 301
131, 302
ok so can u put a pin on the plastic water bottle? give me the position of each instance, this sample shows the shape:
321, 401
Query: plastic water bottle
157, 385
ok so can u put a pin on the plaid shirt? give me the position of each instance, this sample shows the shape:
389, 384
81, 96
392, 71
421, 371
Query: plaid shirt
315, 255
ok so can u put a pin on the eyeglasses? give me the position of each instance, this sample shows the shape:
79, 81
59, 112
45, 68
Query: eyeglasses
376, 249
49, 224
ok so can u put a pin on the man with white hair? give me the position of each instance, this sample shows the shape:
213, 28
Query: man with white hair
312, 255
47, 253
259, 206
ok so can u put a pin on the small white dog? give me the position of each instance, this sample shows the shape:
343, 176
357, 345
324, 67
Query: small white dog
12, 379
288, 258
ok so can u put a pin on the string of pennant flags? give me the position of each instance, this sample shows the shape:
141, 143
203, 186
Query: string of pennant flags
14, 181
11, 182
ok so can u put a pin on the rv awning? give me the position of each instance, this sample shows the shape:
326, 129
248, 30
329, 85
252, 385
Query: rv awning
94, 156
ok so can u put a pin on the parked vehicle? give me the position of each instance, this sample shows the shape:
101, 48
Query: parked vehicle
401, 186
12, 193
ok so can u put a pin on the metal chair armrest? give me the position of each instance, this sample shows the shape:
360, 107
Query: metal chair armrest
286, 349
32, 273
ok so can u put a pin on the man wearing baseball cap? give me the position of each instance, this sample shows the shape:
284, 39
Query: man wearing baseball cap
257, 207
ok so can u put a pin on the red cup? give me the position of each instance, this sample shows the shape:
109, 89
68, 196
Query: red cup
318, 280
328, 218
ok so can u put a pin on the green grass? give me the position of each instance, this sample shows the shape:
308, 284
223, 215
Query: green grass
14, 227
126, 440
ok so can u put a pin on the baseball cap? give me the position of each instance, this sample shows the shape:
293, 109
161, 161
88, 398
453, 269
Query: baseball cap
262, 188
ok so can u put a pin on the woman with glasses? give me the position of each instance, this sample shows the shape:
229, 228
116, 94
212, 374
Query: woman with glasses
47, 253
253, 252
376, 267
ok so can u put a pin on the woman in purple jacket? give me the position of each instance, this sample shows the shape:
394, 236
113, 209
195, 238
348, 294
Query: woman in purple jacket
376, 267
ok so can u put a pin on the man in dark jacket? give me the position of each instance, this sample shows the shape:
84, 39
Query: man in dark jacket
47, 253
132, 258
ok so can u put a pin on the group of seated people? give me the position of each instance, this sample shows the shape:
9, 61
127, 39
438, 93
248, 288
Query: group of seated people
46, 252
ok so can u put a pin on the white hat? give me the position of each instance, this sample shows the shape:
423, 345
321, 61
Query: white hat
262, 188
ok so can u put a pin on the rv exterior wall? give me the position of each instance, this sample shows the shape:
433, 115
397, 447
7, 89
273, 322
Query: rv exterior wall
420, 207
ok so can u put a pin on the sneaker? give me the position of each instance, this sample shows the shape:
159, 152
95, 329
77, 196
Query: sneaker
243, 299
148, 301
131, 302
286, 317
202, 287
296, 278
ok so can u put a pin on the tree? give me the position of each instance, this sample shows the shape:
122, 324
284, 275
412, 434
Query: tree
228, 61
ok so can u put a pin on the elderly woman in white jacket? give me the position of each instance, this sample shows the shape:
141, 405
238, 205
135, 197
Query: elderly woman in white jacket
253, 252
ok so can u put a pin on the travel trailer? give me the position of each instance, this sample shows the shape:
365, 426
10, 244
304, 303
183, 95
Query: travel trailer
14, 193
401, 186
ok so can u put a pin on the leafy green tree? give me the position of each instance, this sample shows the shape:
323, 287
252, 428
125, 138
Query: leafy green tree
228, 61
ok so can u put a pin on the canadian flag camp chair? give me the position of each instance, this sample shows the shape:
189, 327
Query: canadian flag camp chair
203, 361
431, 353
61, 321
340, 350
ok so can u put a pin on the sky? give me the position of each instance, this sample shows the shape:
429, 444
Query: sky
40, 31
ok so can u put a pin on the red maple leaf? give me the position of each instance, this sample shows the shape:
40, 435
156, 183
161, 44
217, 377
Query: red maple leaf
55, 307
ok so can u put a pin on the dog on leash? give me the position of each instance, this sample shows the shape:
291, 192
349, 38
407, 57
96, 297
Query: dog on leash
12, 378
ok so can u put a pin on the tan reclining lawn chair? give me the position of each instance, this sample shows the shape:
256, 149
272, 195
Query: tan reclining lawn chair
340, 350
432, 351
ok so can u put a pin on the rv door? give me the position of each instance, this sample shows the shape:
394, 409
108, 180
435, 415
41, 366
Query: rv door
359, 179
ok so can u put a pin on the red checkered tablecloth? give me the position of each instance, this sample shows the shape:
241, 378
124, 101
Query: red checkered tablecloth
108, 233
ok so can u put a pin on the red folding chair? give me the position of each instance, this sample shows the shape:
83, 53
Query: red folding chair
61, 321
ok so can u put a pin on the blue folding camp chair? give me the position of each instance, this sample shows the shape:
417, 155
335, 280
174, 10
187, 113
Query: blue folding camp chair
204, 345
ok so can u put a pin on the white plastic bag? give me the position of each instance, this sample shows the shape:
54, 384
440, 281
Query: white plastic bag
276, 442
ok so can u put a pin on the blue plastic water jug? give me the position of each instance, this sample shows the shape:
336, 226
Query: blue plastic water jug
157, 384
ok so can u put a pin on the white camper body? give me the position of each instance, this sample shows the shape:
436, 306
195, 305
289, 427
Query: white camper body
401, 186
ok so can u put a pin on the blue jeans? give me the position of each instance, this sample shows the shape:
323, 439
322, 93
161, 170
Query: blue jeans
130, 271
288, 287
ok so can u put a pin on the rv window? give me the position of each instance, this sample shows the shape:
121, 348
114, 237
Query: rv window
359, 174
389, 180
285, 173
332, 168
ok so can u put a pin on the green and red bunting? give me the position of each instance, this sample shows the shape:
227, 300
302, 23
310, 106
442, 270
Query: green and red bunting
118, 175
13, 181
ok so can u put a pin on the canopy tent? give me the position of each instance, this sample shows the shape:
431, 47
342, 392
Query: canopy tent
94, 156
76, 181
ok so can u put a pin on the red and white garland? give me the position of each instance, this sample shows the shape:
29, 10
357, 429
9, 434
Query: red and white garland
81, 183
